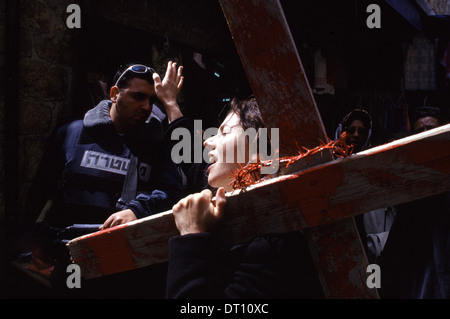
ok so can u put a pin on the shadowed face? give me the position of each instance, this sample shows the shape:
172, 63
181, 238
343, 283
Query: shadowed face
357, 134
132, 105
425, 124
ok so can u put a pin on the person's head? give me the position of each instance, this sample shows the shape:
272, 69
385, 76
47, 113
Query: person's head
230, 148
358, 125
425, 118
133, 95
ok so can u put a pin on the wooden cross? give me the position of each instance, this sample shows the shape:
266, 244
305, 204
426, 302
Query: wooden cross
319, 196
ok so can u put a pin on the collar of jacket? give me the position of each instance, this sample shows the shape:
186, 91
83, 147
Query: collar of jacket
99, 116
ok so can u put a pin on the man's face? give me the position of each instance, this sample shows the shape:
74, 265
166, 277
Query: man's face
357, 134
425, 123
132, 105
227, 152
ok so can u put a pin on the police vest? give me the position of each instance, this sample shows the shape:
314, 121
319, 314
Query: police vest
94, 174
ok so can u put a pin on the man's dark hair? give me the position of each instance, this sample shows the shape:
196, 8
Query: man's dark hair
249, 115
248, 112
125, 80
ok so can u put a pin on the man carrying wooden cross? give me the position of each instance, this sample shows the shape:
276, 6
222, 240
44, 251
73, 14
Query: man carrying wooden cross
319, 198
269, 266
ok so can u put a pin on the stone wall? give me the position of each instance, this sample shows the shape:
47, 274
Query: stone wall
47, 71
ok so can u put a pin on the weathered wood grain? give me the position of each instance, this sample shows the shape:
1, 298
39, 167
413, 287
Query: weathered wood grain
318, 200
405, 170
275, 72
277, 77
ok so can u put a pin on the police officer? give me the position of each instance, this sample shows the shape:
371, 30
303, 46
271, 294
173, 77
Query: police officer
112, 166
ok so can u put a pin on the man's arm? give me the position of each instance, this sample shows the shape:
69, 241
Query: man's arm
165, 190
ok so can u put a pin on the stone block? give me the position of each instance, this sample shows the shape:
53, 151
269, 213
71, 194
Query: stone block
42, 80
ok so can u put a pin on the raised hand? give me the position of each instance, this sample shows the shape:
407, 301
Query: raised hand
168, 89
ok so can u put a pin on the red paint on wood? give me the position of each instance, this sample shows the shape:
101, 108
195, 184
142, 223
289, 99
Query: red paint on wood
432, 153
275, 72
111, 249
341, 260
316, 187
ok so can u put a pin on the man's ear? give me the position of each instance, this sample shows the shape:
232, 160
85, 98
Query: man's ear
113, 93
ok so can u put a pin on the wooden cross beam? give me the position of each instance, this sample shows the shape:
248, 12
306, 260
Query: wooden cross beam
277, 77
320, 199
402, 171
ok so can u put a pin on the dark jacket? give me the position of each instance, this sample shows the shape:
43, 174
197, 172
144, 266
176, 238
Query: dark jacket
415, 262
270, 266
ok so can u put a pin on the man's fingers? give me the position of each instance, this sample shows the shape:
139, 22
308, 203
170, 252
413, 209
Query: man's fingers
180, 84
220, 202
182, 203
107, 223
156, 78
169, 67
171, 70
206, 194
179, 73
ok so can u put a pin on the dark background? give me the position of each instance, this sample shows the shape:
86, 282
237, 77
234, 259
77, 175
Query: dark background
50, 74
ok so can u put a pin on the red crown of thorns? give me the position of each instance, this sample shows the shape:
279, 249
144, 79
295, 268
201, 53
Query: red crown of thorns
249, 174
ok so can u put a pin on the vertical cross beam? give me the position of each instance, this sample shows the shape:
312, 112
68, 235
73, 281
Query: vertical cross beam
275, 72
278, 80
